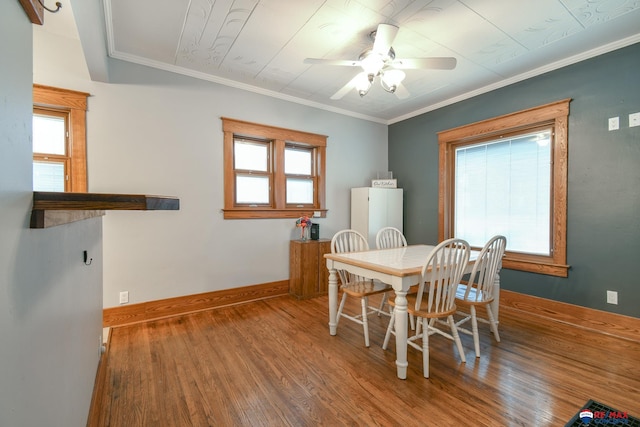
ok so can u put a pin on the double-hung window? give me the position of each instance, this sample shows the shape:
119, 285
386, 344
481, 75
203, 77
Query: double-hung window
51, 160
508, 176
272, 172
59, 140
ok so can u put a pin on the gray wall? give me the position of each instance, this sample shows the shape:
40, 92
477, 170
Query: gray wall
50, 302
603, 237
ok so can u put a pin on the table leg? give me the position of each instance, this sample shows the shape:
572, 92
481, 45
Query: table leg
495, 305
333, 300
400, 313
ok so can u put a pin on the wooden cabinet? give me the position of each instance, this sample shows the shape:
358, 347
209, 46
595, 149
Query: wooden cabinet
308, 274
374, 208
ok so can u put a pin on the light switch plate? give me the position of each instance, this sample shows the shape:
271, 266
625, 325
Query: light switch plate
634, 120
614, 123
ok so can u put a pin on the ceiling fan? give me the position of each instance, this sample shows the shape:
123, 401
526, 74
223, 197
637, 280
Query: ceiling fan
380, 60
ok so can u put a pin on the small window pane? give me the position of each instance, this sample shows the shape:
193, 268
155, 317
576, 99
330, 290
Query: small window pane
299, 191
252, 189
250, 156
49, 135
48, 176
297, 161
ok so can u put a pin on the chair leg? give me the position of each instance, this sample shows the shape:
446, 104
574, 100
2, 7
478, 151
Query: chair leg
365, 322
474, 330
418, 326
456, 338
389, 329
425, 348
383, 302
493, 323
339, 314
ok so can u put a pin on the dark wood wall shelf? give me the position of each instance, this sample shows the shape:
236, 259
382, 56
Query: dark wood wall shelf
53, 208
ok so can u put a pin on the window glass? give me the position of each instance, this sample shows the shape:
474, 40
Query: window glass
252, 189
299, 191
249, 155
49, 134
503, 187
297, 161
48, 176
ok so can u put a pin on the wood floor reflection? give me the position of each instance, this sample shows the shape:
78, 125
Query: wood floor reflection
273, 363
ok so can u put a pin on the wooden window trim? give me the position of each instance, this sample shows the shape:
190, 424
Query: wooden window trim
237, 128
75, 103
555, 113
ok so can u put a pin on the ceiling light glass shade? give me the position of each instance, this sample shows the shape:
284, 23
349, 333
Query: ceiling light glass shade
363, 83
391, 79
372, 64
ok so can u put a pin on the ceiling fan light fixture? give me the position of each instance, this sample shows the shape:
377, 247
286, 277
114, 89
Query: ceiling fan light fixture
391, 79
372, 63
363, 83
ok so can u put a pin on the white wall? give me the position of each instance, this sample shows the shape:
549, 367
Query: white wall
50, 302
155, 132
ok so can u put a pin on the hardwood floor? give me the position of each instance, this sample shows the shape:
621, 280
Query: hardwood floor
273, 363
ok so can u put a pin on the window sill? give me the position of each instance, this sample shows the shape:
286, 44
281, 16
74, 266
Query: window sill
549, 269
258, 213
52, 208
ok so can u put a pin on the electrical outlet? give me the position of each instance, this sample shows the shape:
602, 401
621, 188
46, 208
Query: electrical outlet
614, 123
124, 297
612, 297
634, 120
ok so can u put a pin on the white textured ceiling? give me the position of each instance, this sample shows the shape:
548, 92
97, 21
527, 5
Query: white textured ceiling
260, 45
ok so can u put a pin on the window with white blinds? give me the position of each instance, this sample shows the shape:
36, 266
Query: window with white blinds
503, 187
508, 175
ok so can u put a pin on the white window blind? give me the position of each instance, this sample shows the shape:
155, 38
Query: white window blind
504, 187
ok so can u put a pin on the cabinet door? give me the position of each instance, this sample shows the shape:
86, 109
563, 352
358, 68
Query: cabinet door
378, 212
375, 208
360, 210
394, 209
324, 247
303, 266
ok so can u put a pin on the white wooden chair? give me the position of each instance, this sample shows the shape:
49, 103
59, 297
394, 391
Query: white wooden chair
354, 285
391, 237
441, 273
478, 291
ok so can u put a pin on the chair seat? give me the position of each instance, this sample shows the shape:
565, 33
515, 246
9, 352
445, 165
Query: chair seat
422, 311
475, 297
365, 288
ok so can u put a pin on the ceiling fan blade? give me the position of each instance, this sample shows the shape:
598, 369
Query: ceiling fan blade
435, 63
385, 35
346, 88
320, 61
402, 92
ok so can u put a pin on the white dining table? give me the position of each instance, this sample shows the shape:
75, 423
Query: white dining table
399, 267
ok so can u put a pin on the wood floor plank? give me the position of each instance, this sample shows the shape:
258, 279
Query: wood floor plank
273, 363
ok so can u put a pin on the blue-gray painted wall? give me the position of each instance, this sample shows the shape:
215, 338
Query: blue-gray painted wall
603, 210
